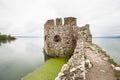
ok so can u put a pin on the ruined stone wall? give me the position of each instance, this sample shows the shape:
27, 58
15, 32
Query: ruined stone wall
74, 69
85, 31
61, 39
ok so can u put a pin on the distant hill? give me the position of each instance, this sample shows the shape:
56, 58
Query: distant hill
107, 37
28, 36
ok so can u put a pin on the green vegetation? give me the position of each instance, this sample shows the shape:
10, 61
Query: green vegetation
112, 61
117, 75
85, 56
46, 57
6, 37
91, 64
69, 53
48, 71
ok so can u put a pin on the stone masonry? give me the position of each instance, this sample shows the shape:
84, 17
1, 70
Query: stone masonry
61, 39
74, 69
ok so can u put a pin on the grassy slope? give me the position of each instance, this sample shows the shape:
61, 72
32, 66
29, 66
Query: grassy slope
48, 71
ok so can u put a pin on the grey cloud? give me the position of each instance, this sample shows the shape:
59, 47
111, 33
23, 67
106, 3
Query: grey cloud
32, 27
2, 5
28, 16
4, 25
102, 15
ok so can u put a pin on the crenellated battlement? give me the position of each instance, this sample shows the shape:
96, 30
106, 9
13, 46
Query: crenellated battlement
61, 39
58, 22
50, 22
69, 21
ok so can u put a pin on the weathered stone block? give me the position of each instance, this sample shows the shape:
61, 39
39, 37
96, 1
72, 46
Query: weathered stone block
58, 21
69, 21
50, 22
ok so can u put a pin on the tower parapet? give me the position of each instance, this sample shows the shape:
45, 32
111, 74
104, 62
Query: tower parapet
60, 40
50, 22
69, 21
58, 21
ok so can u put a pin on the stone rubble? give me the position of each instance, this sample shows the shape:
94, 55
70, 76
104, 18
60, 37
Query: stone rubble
117, 69
88, 63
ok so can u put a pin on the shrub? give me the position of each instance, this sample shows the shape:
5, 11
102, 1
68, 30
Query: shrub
112, 61
117, 75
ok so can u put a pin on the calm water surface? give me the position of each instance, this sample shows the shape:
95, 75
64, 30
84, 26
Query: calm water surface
20, 57
24, 55
111, 46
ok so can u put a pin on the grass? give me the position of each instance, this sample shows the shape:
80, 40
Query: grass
117, 75
48, 71
91, 64
112, 61
85, 56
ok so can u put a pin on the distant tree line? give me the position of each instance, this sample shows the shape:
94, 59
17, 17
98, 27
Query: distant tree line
6, 37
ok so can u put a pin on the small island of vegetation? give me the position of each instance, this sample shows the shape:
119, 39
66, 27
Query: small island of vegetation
6, 38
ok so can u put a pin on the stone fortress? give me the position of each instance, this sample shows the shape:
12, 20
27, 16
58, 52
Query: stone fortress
61, 39
87, 61
75, 43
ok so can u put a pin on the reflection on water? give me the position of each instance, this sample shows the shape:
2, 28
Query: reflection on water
20, 57
111, 45
5, 41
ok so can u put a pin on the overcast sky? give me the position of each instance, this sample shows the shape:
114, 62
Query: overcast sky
27, 17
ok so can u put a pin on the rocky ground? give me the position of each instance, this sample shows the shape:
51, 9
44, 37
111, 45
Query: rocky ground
102, 69
89, 62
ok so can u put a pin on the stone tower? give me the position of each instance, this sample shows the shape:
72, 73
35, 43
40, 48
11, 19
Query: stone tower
60, 39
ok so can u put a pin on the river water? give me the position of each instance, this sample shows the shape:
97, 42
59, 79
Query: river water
20, 57
24, 55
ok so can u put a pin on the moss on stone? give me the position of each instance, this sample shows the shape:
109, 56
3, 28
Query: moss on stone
112, 61
85, 56
47, 56
117, 75
91, 64
68, 53
51, 52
